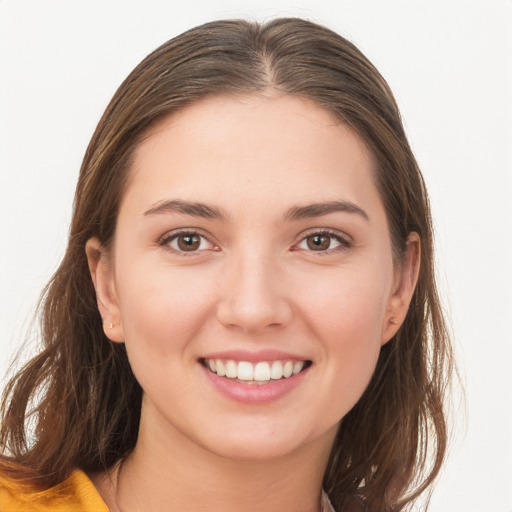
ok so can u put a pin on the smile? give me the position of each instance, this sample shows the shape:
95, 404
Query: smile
262, 372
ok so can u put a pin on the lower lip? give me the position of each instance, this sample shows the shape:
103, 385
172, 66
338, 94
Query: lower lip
254, 393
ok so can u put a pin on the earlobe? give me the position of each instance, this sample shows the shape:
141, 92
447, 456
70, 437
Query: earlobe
403, 289
102, 275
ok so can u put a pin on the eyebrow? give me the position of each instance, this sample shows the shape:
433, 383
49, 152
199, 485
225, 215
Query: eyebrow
319, 209
189, 208
197, 209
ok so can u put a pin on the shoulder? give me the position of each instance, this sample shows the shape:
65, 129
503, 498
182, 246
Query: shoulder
75, 494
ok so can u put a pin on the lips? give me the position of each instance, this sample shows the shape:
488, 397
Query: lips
238, 368
255, 377
257, 372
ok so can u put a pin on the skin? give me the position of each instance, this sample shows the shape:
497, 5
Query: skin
253, 283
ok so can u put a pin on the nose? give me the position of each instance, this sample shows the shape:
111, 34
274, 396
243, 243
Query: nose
254, 296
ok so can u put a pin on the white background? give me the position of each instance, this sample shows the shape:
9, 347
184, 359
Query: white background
449, 64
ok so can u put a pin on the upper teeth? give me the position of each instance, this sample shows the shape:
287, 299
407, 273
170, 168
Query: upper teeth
261, 371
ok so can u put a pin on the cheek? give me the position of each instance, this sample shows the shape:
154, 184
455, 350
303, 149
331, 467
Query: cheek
163, 306
345, 313
162, 312
348, 304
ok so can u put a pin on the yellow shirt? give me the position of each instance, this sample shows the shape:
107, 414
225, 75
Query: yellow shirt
76, 494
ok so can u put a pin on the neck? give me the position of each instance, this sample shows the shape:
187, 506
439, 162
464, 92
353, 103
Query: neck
168, 471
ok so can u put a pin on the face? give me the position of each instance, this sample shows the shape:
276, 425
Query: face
251, 275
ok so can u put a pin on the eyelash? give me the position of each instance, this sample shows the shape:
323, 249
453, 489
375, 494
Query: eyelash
344, 242
167, 239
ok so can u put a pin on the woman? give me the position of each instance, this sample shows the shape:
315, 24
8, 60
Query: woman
246, 313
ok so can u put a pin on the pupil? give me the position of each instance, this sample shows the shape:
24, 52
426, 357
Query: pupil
317, 242
188, 242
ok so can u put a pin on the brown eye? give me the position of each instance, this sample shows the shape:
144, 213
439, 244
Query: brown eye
188, 242
318, 242
323, 242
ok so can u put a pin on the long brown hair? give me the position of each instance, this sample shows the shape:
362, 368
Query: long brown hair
79, 393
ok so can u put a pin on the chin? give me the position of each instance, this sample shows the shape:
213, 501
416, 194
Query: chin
255, 452
260, 444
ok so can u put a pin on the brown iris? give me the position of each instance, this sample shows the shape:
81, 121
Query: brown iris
189, 242
318, 242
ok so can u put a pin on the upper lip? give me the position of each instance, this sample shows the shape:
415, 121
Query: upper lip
256, 356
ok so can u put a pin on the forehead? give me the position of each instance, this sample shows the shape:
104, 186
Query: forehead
270, 147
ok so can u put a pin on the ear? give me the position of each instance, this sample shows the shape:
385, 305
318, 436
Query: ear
406, 277
102, 274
